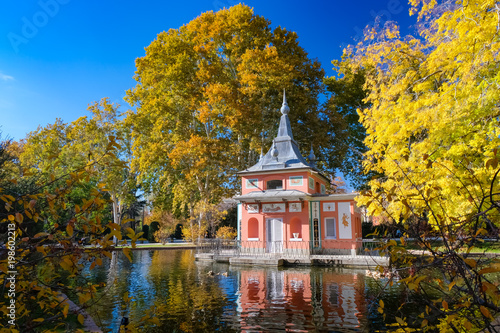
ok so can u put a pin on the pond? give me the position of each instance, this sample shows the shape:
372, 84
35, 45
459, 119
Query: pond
191, 296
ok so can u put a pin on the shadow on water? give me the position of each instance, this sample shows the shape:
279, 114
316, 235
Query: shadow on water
190, 296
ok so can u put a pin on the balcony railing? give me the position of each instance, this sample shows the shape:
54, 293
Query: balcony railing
284, 249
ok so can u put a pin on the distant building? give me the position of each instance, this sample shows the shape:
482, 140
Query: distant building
284, 206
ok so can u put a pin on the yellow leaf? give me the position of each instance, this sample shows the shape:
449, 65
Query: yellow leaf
65, 310
424, 323
491, 163
485, 312
84, 298
492, 269
130, 232
381, 302
400, 321
451, 285
471, 262
19, 218
69, 230
126, 252
66, 264
81, 319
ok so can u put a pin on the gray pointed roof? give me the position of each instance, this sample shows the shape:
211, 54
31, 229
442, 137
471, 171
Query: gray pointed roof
284, 153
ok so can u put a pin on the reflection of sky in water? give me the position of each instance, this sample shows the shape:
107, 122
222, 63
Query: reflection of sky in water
134, 278
217, 297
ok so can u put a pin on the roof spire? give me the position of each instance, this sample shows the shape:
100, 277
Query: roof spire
284, 153
312, 157
284, 109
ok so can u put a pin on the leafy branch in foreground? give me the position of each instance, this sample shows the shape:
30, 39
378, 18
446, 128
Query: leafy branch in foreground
43, 226
433, 137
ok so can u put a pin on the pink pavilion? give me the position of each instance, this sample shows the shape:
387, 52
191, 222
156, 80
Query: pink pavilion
283, 204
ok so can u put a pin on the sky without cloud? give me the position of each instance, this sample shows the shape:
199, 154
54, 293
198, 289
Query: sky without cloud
58, 56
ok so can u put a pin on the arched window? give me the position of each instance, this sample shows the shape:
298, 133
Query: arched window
275, 184
253, 229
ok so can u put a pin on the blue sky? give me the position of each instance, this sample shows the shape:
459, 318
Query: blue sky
58, 56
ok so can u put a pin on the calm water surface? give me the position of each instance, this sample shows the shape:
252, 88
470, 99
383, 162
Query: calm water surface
190, 296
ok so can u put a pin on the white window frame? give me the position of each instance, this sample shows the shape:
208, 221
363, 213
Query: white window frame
296, 178
334, 228
249, 185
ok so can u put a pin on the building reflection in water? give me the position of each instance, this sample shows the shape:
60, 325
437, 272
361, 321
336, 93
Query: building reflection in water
300, 300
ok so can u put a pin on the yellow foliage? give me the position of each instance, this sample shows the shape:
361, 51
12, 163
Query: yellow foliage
192, 232
204, 95
433, 122
433, 135
226, 232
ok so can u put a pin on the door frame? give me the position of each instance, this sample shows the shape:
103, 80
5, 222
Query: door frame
272, 245
315, 214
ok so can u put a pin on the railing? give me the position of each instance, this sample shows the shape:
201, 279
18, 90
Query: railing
217, 247
284, 249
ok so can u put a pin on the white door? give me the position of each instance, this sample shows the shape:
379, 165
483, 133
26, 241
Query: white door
274, 235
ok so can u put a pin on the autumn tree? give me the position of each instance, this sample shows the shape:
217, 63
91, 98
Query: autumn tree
206, 101
433, 133
167, 224
60, 147
346, 134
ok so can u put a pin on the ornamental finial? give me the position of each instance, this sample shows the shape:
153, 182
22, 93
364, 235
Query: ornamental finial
274, 151
312, 157
284, 109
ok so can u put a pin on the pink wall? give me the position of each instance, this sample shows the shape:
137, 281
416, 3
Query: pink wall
300, 222
355, 225
287, 182
294, 222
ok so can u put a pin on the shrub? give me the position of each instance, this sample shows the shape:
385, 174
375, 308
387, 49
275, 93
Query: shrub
226, 233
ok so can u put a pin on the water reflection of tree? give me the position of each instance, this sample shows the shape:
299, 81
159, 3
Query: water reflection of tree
187, 299
397, 301
193, 301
